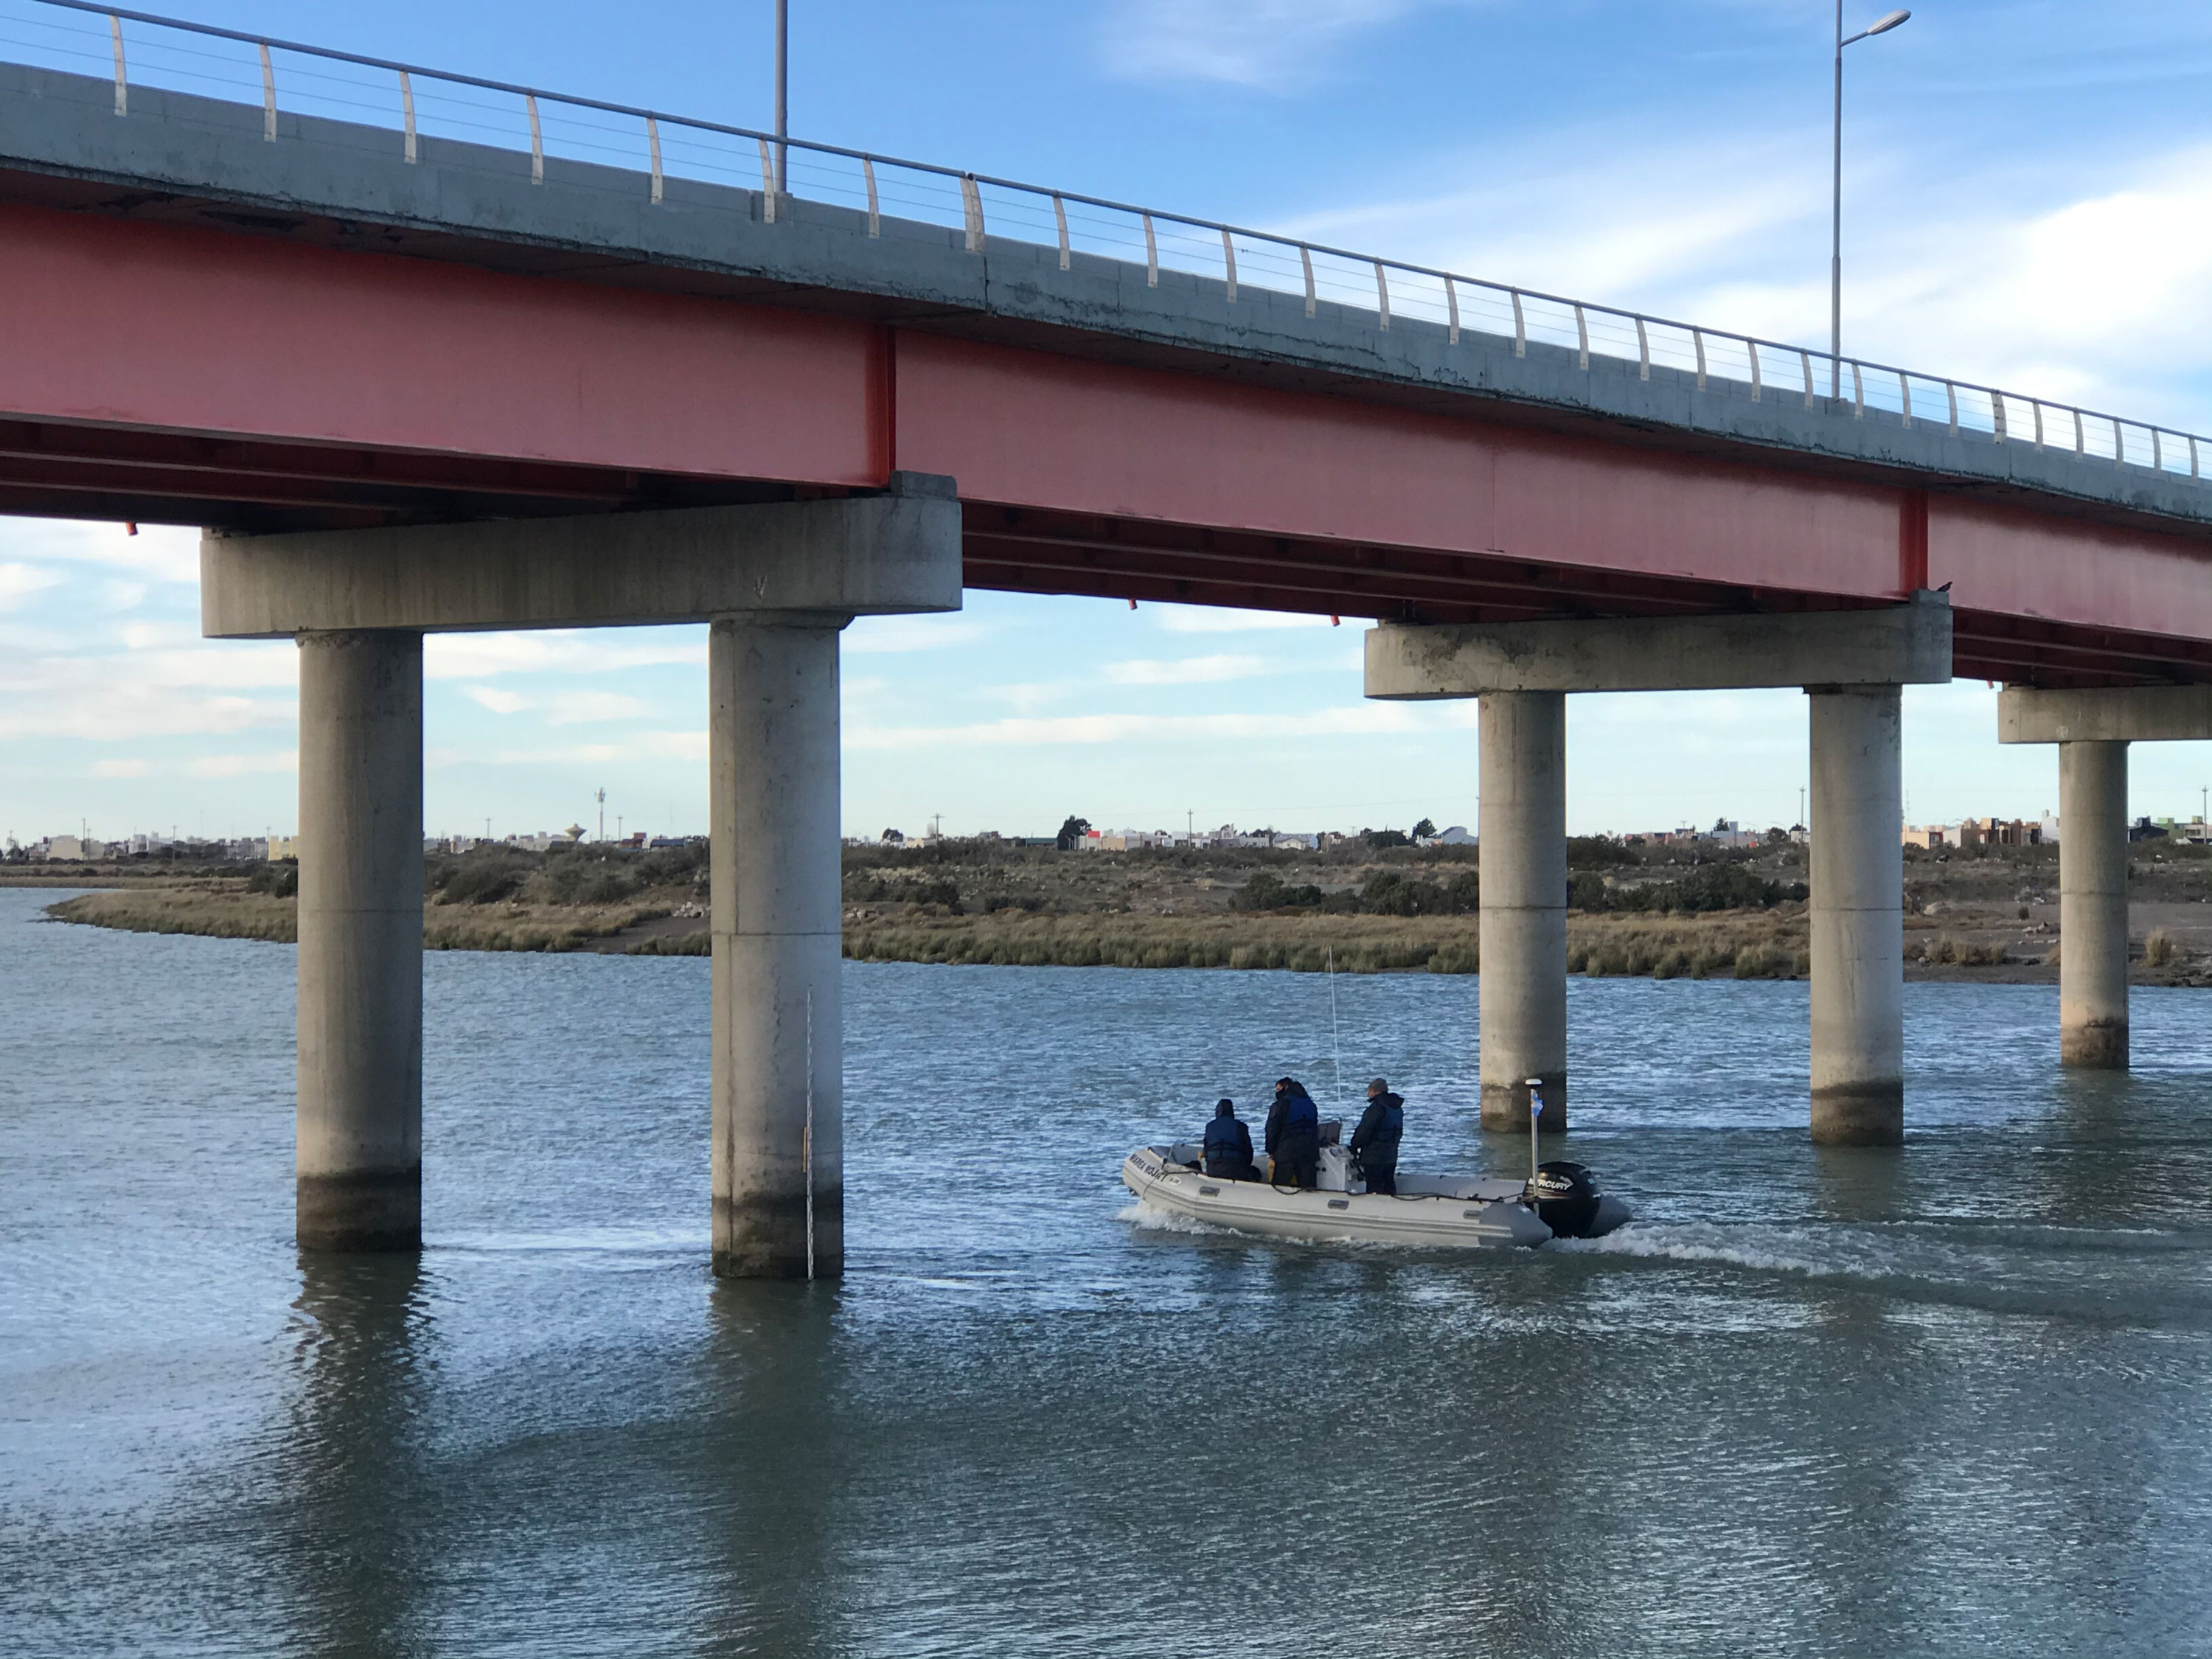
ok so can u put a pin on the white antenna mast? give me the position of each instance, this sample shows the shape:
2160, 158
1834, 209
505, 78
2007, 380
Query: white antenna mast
1335, 1038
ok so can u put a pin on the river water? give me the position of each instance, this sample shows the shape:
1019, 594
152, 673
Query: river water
1950, 1401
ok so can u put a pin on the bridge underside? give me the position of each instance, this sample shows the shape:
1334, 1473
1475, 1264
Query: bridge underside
51, 469
167, 371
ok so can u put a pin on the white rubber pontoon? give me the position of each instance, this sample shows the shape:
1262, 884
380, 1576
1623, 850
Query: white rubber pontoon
1461, 1212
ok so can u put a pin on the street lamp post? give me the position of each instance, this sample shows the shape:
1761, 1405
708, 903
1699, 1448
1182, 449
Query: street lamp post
1836, 258
783, 84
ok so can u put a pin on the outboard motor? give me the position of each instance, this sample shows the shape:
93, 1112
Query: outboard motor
1565, 1199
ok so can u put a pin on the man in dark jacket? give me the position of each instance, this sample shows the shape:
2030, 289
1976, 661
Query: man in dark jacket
1294, 1136
1374, 1142
1228, 1145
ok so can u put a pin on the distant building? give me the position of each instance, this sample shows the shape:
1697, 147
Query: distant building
1455, 837
66, 849
283, 847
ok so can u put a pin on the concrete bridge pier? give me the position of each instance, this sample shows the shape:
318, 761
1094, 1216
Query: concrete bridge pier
2092, 729
778, 947
776, 581
360, 1143
1522, 924
1857, 915
1852, 663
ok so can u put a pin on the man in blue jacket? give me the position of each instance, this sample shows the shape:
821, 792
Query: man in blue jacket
1294, 1136
1374, 1142
1228, 1145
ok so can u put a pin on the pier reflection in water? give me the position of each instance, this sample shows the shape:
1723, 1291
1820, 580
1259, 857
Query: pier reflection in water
1944, 1401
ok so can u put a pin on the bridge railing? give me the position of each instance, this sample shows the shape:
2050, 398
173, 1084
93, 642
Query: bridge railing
897, 196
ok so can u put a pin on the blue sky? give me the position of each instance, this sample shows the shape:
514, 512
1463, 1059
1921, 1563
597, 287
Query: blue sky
2029, 201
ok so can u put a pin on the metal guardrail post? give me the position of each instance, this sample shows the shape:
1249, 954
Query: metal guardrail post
122, 81
1643, 352
1751, 346
1697, 340
1951, 391
268, 94
1451, 305
1520, 327
1381, 297
1858, 393
768, 184
971, 202
407, 113
1305, 259
538, 141
1904, 395
1229, 264
875, 217
1806, 358
1151, 255
1060, 219
652, 148
1582, 334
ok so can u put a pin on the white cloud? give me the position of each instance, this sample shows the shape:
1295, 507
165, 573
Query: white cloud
499, 702
593, 707
238, 766
18, 582
560, 651
1358, 719
871, 636
1187, 670
121, 768
655, 745
1256, 43
1201, 619
159, 552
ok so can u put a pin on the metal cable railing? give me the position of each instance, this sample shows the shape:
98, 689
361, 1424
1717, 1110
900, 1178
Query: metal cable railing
899, 195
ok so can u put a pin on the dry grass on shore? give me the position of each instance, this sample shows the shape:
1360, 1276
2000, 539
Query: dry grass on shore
1744, 945
1740, 944
235, 913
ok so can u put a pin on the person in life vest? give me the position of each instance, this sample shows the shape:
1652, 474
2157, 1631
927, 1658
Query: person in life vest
1294, 1136
1374, 1142
1228, 1145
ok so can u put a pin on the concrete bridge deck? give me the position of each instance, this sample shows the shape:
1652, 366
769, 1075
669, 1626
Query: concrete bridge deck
486, 345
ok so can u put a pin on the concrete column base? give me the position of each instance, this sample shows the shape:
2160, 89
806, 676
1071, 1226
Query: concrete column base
359, 1134
1523, 922
374, 1210
2099, 1046
1859, 1117
778, 947
1506, 1105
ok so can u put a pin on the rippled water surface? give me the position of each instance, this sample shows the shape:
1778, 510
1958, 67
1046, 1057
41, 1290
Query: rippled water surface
1950, 1401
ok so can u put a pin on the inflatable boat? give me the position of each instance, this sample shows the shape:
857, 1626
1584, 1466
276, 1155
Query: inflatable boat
1559, 1200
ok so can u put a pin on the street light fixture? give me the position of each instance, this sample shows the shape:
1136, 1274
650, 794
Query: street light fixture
1836, 259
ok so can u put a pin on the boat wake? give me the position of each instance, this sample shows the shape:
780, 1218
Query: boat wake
1144, 1217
